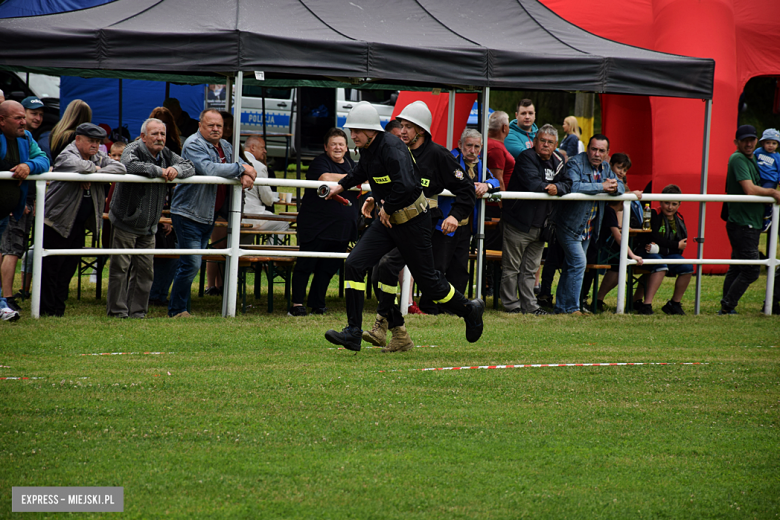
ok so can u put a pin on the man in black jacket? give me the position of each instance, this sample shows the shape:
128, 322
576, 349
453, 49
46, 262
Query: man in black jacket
438, 170
403, 222
540, 170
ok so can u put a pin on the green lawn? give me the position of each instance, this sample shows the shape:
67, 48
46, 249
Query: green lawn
256, 417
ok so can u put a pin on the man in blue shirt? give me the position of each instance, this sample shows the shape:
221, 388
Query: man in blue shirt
192, 209
579, 222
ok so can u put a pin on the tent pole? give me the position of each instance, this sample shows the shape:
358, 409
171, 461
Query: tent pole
297, 131
119, 127
228, 96
167, 89
262, 93
451, 121
705, 161
234, 231
481, 214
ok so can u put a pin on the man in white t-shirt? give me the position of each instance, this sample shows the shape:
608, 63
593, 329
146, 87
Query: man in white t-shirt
257, 198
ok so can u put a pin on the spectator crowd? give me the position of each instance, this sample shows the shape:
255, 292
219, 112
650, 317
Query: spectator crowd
533, 238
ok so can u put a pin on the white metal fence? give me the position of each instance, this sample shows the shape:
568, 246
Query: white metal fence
233, 250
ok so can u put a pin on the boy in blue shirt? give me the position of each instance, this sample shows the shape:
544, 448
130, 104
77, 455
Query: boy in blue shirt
768, 166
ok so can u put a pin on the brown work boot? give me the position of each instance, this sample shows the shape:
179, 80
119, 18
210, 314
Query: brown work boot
400, 342
378, 334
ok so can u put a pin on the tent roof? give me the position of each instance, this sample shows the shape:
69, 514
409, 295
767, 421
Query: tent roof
506, 44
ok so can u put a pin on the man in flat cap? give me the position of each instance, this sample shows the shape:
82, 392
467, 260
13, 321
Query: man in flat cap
71, 208
134, 214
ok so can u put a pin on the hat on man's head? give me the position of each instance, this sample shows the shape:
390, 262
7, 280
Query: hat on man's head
745, 131
91, 131
32, 102
171, 102
770, 134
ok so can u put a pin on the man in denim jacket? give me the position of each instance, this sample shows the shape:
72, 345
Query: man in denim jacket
192, 209
578, 222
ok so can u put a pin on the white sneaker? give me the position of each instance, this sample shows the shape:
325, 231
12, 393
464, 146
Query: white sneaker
8, 314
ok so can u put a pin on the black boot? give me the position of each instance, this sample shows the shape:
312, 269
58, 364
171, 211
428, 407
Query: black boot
348, 338
473, 320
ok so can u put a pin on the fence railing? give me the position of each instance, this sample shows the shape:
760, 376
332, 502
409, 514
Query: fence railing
233, 251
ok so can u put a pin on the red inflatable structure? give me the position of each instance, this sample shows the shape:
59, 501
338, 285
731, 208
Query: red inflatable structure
664, 136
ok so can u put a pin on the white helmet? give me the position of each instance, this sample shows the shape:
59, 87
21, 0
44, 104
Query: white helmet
363, 117
417, 113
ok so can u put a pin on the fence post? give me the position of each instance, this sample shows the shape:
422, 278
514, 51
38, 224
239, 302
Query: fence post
481, 202
233, 259
406, 289
40, 208
623, 263
771, 253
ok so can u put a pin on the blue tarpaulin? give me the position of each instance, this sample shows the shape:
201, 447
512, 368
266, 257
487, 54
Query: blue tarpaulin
102, 95
17, 8
138, 99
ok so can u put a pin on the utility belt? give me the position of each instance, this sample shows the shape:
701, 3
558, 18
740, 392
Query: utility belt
406, 214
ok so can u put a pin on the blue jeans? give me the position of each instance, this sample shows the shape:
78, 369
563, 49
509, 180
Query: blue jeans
567, 296
191, 235
164, 272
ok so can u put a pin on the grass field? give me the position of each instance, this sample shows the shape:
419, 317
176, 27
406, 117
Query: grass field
256, 417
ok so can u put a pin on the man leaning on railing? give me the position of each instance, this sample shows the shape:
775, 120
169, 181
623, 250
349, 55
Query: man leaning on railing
135, 212
19, 154
192, 210
71, 208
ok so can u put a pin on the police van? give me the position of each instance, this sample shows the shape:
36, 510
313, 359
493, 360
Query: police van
19, 85
321, 109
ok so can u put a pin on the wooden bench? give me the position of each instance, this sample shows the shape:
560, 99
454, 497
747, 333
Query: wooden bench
494, 257
275, 266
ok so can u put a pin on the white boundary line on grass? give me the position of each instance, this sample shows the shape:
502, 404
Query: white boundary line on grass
416, 346
127, 353
543, 365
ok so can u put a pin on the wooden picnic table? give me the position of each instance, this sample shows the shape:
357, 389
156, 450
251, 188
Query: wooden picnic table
271, 217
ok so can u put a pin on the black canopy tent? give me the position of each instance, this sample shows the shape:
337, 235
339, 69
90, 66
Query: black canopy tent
507, 44
504, 44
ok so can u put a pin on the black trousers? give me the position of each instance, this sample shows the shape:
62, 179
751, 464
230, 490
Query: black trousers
413, 240
385, 278
552, 262
451, 257
744, 246
322, 268
57, 271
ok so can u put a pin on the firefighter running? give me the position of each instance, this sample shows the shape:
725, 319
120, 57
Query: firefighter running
403, 222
